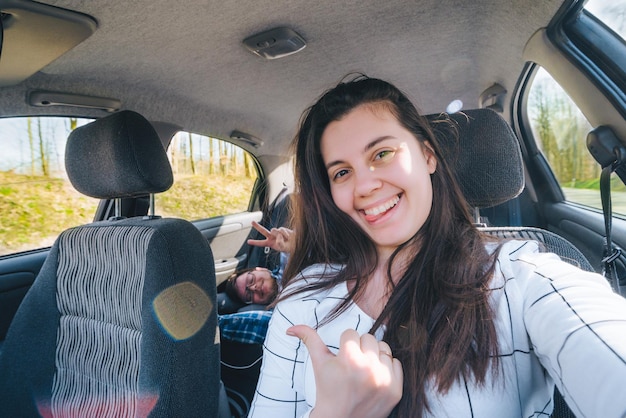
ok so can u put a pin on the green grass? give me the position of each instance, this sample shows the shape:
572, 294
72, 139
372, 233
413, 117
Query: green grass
199, 197
34, 210
616, 184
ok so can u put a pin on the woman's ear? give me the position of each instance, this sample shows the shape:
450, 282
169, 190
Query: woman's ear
429, 155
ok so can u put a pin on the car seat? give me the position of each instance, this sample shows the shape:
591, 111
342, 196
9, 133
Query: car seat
486, 157
121, 320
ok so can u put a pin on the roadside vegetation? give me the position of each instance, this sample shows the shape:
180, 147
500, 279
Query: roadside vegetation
562, 129
35, 209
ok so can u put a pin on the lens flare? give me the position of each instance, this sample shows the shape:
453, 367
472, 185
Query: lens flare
182, 309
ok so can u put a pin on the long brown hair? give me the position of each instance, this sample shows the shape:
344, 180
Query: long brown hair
438, 318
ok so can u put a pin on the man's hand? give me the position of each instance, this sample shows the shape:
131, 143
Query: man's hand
279, 239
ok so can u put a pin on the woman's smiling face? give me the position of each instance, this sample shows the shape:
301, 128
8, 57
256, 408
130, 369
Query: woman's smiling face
379, 174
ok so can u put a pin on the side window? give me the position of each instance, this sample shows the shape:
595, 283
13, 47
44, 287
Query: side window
37, 201
611, 13
211, 178
560, 129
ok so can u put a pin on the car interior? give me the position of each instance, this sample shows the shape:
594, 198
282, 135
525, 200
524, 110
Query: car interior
152, 98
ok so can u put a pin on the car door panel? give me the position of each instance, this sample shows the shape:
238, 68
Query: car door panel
227, 236
17, 273
585, 229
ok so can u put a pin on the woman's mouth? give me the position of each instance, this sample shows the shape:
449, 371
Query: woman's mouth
371, 214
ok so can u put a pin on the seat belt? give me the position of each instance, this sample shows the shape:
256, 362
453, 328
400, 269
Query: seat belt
610, 153
611, 252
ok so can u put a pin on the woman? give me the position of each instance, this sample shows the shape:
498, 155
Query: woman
394, 303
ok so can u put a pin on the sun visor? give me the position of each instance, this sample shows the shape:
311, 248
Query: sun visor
35, 34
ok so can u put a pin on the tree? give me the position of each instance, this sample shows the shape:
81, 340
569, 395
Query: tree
248, 165
212, 162
31, 143
223, 158
173, 152
561, 130
191, 161
234, 160
45, 171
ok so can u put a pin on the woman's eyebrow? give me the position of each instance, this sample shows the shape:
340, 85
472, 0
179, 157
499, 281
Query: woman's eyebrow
376, 141
367, 147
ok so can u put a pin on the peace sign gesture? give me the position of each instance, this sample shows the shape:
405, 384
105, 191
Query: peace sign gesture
279, 239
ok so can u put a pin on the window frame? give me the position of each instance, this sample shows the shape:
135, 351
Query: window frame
578, 34
573, 31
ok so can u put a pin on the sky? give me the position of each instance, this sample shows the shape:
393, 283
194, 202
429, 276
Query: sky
612, 12
15, 148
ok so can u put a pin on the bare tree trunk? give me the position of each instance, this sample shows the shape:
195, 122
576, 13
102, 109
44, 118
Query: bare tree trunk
211, 156
201, 164
173, 151
193, 165
223, 158
234, 161
42, 151
31, 142
246, 165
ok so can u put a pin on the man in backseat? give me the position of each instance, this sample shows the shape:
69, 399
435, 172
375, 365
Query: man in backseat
254, 289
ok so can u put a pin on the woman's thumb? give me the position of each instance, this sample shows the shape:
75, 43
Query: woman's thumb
310, 338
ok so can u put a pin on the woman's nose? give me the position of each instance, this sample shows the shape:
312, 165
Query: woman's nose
367, 180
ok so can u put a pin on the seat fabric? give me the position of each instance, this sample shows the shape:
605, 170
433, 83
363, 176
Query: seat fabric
550, 241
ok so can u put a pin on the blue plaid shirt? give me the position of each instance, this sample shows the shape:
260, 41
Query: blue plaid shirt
247, 327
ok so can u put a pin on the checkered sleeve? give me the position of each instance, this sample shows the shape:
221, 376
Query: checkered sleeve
577, 328
284, 380
248, 327
280, 388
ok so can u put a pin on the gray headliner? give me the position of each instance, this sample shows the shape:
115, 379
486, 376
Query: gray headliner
184, 63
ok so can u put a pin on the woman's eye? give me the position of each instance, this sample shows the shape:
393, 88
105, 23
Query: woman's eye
340, 174
384, 154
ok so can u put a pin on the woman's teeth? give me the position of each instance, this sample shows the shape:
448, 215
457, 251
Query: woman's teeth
382, 208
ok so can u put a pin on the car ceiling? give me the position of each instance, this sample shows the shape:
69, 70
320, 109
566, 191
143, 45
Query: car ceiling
184, 63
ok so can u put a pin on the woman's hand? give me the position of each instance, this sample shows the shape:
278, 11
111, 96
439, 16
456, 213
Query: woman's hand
362, 380
279, 239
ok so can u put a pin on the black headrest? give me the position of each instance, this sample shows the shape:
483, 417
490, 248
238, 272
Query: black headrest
120, 155
487, 157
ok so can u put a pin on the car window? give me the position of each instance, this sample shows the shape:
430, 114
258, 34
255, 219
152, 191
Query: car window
560, 130
211, 178
611, 13
37, 201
